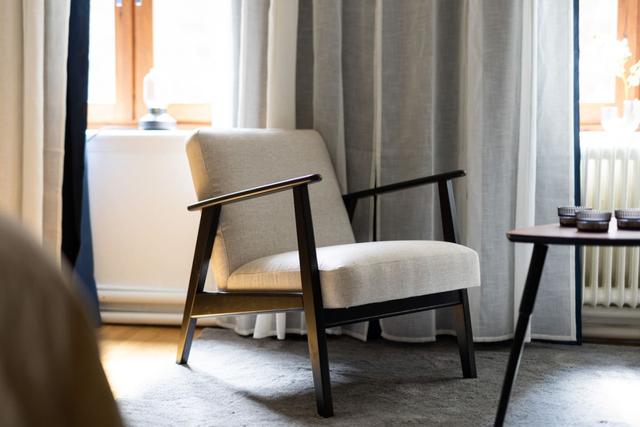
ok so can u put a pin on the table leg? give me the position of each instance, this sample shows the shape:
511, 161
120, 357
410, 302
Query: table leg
526, 308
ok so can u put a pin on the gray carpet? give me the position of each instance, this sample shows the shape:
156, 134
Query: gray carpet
233, 380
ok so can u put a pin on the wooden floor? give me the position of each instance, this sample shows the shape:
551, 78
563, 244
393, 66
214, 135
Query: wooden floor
135, 349
116, 339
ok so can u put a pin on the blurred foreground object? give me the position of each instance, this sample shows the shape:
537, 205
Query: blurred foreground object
50, 372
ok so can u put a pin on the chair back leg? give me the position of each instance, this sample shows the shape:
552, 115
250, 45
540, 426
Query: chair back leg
462, 320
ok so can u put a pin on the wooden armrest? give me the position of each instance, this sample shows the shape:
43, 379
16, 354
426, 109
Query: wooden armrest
250, 193
405, 184
445, 193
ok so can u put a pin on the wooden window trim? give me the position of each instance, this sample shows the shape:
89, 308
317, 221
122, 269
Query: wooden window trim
134, 59
629, 28
143, 52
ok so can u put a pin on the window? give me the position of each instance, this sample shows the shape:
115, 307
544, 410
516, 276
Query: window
602, 24
188, 42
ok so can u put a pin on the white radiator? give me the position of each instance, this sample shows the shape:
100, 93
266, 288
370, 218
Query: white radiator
610, 173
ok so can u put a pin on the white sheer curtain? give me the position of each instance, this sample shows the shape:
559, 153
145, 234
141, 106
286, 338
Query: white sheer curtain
263, 34
405, 89
536, 156
33, 70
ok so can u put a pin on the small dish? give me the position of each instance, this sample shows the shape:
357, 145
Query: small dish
567, 215
593, 220
628, 219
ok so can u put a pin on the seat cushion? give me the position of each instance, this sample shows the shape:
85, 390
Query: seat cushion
363, 273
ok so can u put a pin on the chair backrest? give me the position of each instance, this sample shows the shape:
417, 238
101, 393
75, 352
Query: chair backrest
232, 160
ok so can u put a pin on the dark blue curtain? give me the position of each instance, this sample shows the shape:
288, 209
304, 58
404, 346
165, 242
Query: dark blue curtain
73, 187
576, 156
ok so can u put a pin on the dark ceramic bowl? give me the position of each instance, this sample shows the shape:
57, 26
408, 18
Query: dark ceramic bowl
592, 220
567, 215
628, 219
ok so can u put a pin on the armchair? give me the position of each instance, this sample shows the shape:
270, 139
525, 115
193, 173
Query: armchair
263, 264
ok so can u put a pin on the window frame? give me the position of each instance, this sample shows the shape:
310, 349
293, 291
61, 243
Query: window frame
134, 59
627, 27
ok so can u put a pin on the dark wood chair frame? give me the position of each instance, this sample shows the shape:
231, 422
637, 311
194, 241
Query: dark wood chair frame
201, 304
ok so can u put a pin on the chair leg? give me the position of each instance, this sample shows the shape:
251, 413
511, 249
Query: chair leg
462, 320
204, 245
312, 301
374, 331
186, 338
317, 341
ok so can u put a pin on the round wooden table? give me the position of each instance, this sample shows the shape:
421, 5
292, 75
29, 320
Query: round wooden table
541, 236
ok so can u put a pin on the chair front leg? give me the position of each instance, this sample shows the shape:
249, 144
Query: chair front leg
312, 302
317, 342
462, 319
204, 244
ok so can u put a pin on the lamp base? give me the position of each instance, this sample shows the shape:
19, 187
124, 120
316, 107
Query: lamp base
157, 119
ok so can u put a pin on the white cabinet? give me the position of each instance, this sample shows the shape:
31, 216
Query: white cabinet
143, 236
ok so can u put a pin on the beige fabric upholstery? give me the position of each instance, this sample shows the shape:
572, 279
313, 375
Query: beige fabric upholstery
364, 273
256, 245
231, 160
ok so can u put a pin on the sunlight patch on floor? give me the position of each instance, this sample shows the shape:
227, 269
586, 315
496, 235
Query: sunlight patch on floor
608, 393
133, 357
